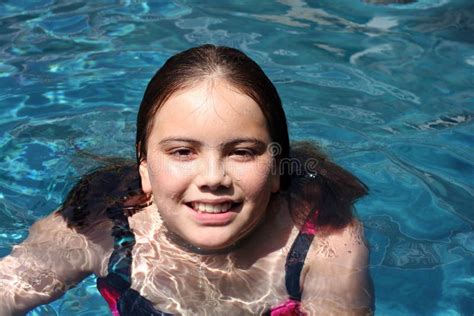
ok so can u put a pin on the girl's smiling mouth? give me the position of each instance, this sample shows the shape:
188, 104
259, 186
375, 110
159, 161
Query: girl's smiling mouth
214, 212
211, 208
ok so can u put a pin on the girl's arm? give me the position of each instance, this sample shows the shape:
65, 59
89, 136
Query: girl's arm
50, 261
70, 244
336, 279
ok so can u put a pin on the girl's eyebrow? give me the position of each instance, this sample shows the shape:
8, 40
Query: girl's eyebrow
166, 140
230, 142
255, 141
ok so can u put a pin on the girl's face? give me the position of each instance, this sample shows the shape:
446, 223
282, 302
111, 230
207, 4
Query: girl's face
208, 166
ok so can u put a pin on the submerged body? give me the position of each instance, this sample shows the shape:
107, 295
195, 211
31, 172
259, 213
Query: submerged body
215, 283
247, 281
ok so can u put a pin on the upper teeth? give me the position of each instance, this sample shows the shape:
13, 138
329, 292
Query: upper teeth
211, 208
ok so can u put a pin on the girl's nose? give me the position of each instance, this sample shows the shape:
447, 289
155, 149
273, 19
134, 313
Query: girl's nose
213, 175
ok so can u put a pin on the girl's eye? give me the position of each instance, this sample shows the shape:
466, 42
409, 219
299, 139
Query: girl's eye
182, 153
244, 153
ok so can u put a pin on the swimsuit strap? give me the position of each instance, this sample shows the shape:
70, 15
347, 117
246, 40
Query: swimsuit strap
115, 287
120, 261
297, 255
294, 266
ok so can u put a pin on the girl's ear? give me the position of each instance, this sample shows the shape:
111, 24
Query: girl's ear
145, 177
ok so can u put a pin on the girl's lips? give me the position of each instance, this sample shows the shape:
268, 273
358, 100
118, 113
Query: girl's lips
211, 207
214, 219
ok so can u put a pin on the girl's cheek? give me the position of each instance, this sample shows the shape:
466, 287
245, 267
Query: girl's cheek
155, 165
173, 180
260, 168
161, 165
182, 169
254, 177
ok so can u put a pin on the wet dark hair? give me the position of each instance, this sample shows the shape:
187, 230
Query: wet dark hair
198, 64
326, 186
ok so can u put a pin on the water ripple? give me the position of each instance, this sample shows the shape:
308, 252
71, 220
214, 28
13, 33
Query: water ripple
340, 76
387, 91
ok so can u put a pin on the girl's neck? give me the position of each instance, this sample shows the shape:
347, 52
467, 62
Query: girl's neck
271, 232
183, 245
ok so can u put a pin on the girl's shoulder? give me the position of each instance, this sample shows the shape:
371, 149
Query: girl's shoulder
95, 204
336, 278
346, 242
58, 244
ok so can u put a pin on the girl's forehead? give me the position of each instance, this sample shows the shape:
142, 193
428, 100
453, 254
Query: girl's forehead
207, 100
210, 110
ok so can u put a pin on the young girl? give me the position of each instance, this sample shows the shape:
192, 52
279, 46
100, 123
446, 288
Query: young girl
219, 215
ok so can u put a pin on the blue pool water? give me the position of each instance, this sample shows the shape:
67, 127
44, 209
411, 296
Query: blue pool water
387, 90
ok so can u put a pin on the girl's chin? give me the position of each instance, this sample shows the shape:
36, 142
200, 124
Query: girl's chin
205, 241
212, 246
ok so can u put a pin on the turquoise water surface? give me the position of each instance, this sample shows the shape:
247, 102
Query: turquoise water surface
387, 90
